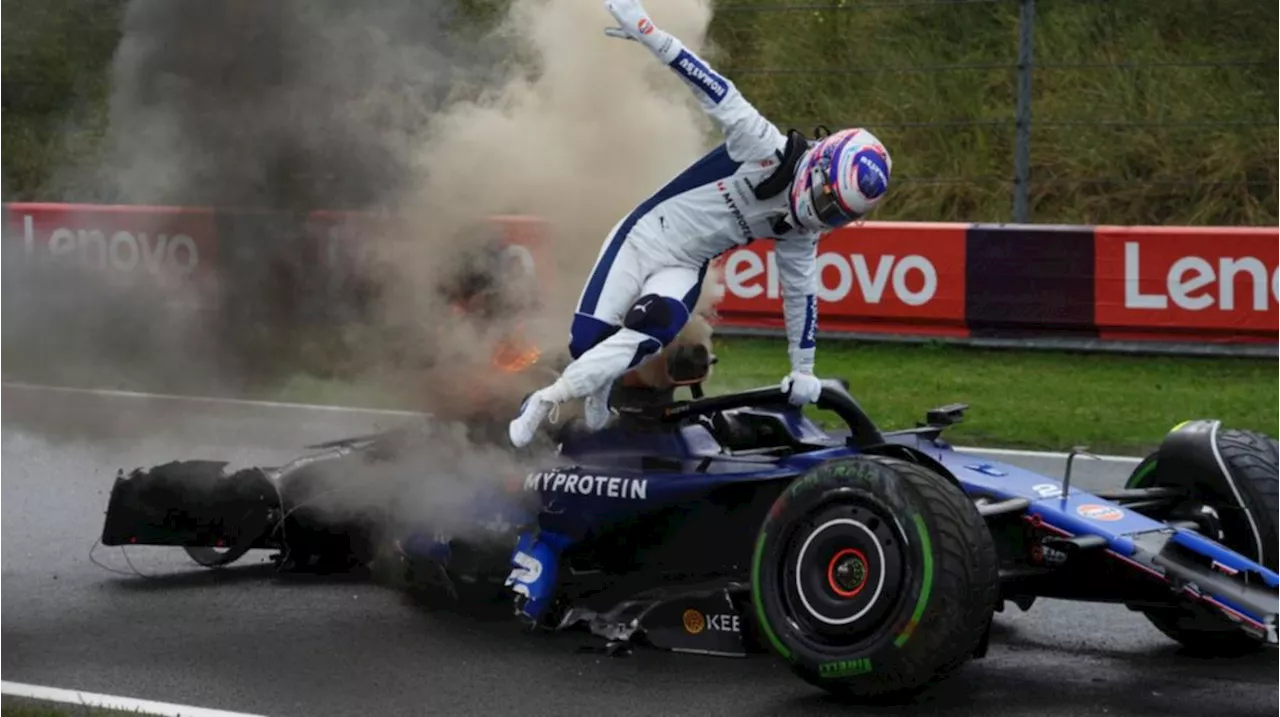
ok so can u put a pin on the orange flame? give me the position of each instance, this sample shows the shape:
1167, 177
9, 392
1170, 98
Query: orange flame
514, 354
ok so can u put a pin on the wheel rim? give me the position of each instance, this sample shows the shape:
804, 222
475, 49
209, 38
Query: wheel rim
844, 573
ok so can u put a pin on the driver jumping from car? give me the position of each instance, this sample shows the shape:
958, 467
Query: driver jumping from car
758, 184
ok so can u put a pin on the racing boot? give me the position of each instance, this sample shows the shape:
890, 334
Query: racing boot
595, 408
539, 406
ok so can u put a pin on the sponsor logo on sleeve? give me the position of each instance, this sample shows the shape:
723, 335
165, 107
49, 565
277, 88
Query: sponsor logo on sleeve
701, 76
600, 486
809, 334
744, 228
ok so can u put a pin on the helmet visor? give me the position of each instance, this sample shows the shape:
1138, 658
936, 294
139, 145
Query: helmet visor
826, 202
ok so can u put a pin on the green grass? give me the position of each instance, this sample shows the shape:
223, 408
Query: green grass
1019, 399
21, 707
1039, 400
1048, 400
1176, 100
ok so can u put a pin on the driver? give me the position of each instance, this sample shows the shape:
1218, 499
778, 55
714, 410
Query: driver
758, 184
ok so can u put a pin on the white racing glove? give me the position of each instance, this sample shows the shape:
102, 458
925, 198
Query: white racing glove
634, 23
801, 388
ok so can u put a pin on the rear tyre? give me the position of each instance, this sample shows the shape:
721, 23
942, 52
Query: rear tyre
1253, 463
874, 577
216, 557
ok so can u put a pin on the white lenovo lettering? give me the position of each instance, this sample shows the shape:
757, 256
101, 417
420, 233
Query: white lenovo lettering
1189, 283
743, 266
912, 279
124, 251
602, 486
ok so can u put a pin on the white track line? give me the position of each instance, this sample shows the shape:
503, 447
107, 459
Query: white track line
112, 393
76, 697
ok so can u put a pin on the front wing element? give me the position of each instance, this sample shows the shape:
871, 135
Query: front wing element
707, 620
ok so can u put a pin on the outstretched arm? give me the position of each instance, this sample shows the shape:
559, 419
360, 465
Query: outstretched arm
748, 134
798, 273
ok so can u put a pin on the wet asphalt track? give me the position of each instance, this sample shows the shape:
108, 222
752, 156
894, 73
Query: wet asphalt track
243, 639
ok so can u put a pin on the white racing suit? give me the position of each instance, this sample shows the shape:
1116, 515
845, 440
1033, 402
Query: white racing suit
649, 273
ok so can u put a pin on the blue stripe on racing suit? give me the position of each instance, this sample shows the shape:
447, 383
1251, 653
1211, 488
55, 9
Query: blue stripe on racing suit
810, 313
716, 165
701, 76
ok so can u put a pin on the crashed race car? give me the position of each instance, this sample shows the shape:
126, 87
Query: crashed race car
869, 561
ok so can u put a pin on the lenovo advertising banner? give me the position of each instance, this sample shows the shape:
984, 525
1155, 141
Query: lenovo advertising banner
881, 278
1155, 285
65, 257
1183, 284
152, 244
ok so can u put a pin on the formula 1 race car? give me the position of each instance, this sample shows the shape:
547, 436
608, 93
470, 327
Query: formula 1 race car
871, 562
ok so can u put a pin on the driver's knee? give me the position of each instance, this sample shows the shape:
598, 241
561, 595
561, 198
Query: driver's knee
659, 317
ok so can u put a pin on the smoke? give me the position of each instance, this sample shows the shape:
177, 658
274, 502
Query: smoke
576, 135
290, 104
425, 112
425, 109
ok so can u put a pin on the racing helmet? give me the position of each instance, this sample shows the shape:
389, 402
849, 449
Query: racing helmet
840, 179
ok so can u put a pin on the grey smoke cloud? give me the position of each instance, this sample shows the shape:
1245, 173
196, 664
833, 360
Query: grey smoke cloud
394, 106
291, 103
397, 105
577, 136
